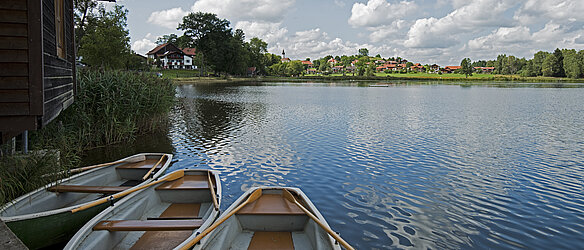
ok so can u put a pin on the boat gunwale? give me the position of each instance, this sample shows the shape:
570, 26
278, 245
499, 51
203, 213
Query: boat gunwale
77, 239
8, 219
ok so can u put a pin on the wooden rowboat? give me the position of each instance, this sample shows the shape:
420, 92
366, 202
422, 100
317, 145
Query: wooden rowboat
161, 216
43, 217
269, 222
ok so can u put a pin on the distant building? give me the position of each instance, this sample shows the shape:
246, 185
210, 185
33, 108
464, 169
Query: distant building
173, 57
485, 70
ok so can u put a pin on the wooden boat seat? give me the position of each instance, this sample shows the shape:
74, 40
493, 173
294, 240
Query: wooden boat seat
271, 240
146, 164
164, 239
87, 189
271, 204
188, 182
148, 225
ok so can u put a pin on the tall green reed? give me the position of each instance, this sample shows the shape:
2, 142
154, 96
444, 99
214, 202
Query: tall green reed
110, 107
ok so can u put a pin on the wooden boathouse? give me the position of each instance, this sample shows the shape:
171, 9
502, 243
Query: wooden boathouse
37, 63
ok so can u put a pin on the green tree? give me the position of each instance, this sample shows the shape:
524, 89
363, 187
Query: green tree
558, 67
572, 63
466, 67
212, 38
107, 44
84, 16
257, 53
547, 67
538, 59
294, 68
370, 69
363, 52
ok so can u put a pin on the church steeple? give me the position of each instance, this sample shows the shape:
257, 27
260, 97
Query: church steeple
283, 54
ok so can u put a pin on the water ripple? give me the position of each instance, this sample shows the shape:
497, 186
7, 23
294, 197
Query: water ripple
424, 167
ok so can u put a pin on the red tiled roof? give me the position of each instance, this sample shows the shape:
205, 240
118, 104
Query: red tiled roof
153, 51
452, 67
307, 62
189, 51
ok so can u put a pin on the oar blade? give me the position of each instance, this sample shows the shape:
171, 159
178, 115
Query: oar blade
288, 196
254, 195
138, 158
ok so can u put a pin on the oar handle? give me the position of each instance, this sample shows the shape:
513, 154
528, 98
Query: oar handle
153, 167
326, 228
170, 177
213, 195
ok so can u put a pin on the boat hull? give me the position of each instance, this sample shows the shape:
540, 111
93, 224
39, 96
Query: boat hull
43, 231
42, 218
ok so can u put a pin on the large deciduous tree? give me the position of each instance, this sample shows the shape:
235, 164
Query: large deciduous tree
212, 38
466, 67
106, 44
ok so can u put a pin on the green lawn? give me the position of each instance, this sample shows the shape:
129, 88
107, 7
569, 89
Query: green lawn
178, 73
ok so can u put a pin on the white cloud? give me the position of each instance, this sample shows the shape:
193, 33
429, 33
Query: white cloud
442, 33
340, 3
269, 32
557, 10
143, 46
381, 33
379, 12
250, 10
167, 18
502, 38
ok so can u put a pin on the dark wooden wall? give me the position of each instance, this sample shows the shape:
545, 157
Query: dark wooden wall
58, 72
35, 84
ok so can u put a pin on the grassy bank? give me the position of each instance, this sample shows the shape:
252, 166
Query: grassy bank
110, 107
382, 77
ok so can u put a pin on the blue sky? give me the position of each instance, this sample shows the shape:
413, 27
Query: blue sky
426, 31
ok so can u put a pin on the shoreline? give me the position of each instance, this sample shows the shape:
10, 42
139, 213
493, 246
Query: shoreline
498, 79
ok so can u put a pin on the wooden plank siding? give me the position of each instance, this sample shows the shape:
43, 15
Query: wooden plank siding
35, 84
58, 72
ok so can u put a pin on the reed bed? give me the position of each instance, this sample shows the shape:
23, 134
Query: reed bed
110, 107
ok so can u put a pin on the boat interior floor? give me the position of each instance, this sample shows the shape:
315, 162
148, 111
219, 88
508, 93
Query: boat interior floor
169, 239
271, 240
146, 164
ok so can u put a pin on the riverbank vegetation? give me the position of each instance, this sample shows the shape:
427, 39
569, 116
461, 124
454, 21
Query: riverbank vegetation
111, 105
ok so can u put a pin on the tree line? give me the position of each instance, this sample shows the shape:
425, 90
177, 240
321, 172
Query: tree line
559, 63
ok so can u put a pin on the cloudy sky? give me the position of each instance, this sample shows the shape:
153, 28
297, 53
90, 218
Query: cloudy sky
426, 31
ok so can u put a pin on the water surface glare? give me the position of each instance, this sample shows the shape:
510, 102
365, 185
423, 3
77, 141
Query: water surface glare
401, 167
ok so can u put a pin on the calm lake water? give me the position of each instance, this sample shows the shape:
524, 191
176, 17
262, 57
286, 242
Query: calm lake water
420, 166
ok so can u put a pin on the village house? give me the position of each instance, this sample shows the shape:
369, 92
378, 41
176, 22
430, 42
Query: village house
332, 61
451, 69
37, 66
418, 68
337, 69
307, 64
434, 68
173, 57
485, 70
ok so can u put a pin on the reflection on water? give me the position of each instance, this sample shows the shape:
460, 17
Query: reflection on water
425, 166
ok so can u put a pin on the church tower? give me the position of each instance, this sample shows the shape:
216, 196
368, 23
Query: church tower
283, 54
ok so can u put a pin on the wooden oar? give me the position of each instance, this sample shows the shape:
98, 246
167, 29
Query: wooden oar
252, 197
291, 198
153, 167
215, 202
77, 170
171, 177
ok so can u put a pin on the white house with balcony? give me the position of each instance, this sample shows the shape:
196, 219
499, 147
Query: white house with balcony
173, 57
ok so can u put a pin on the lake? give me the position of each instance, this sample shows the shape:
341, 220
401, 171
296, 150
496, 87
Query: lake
405, 166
